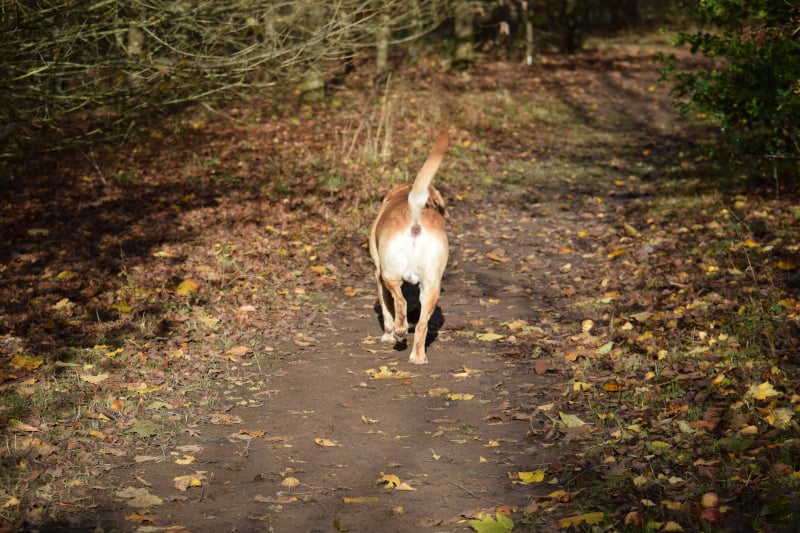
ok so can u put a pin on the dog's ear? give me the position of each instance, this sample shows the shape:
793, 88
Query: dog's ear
435, 201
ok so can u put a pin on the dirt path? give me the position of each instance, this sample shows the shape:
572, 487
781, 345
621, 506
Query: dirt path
457, 454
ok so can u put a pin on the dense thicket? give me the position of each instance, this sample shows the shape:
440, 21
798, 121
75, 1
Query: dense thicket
59, 58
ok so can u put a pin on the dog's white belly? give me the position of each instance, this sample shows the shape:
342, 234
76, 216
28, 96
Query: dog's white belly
414, 258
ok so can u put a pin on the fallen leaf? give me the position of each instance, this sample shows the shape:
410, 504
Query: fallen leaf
586, 518
460, 396
290, 482
571, 421
326, 442
361, 499
484, 523
142, 518
762, 392
26, 362
489, 337
182, 483
535, 476
187, 286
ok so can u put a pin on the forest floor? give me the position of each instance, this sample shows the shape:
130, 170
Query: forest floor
189, 339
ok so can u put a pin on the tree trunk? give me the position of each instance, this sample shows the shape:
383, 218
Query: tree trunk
382, 48
464, 53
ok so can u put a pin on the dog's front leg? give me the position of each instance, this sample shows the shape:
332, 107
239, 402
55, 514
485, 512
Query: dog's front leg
428, 296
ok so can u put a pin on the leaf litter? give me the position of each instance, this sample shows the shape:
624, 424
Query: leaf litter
611, 358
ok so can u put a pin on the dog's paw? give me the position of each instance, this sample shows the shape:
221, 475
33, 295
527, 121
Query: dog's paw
387, 337
416, 359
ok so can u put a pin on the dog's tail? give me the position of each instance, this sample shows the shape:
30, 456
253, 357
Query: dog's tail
418, 196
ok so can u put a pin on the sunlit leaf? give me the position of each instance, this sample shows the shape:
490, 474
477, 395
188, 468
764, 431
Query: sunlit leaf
183, 483
187, 286
26, 362
460, 396
763, 391
535, 476
361, 499
489, 337
290, 482
486, 524
571, 421
326, 442
185, 460
779, 417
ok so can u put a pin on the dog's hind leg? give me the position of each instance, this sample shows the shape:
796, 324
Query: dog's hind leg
428, 296
393, 307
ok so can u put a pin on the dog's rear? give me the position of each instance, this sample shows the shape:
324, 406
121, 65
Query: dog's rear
408, 243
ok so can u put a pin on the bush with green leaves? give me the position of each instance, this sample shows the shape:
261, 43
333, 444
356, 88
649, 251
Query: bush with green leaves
751, 83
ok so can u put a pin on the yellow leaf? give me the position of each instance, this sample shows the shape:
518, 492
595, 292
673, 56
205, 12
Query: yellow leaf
319, 269
535, 476
361, 499
185, 460
142, 388
586, 518
290, 482
750, 243
780, 417
762, 391
482, 459
786, 265
438, 391
580, 386
26, 362
67, 274
11, 502
96, 434
488, 337
389, 481
187, 286
672, 527
120, 307
182, 483
492, 444
614, 387
326, 442
616, 253
459, 396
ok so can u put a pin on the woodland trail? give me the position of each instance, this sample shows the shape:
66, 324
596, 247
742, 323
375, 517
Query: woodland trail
453, 430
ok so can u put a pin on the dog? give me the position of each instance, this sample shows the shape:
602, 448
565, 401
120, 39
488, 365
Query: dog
408, 244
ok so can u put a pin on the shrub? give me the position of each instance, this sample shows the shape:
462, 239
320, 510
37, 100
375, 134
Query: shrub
752, 82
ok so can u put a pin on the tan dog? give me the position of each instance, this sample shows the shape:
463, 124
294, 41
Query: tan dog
408, 243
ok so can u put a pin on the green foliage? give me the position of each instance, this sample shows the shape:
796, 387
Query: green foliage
751, 83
